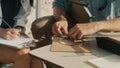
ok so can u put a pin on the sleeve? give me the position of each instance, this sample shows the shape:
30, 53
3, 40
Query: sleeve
21, 18
63, 4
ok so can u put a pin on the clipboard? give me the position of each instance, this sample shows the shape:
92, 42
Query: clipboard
18, 43
71, 46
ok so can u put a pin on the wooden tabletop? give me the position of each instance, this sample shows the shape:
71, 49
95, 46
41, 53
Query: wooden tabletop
68, 59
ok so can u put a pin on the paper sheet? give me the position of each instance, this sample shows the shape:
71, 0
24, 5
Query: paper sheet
111, 61
16, 43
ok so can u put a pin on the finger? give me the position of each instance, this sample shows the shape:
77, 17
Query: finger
80, 35
11, 35
12, 31
75, 34
72, 30
54, 33
7, 34
65, 31
59, 31
8, 37
17, 32
55, 30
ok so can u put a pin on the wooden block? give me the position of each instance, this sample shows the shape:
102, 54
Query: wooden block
65, 45
115, 36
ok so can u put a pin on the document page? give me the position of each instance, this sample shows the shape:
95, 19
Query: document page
17, 43
111, 61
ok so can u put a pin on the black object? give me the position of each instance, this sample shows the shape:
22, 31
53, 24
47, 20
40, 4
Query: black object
108, 44
10, 9
31, 2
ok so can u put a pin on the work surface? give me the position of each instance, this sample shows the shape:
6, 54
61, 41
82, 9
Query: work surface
68, 59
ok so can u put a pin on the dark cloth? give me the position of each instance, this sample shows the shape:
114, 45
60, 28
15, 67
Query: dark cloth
31, 2
10, 9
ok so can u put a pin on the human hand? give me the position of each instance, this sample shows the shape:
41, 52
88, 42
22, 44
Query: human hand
79, 30
10, 33
60, 28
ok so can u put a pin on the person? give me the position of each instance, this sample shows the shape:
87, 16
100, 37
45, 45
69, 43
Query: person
77, 18
42, 28
13, 17
105, 18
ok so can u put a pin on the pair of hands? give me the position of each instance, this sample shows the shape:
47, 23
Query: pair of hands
10, 33
77, 32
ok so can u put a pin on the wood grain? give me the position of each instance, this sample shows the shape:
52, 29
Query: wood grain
61, 45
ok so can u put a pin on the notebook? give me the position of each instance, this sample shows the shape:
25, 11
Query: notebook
18, 43
111, 61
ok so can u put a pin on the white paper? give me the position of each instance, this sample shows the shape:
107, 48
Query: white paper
111, 61
17, 43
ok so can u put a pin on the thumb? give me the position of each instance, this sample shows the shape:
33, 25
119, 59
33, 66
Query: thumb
18, 31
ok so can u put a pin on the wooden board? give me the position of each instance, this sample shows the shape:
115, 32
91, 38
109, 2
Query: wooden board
111, 61
115, 38
61, 45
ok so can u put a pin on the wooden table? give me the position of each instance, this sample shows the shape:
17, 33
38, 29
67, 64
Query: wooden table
67, 59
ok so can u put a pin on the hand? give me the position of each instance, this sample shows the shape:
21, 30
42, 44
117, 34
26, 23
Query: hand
20, 28
10, 33
60, 28
79, 30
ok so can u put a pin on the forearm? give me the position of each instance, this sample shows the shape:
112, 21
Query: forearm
58, 13
110, 25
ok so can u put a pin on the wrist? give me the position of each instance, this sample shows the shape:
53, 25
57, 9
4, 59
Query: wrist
100, 25
60, 18
63, 18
